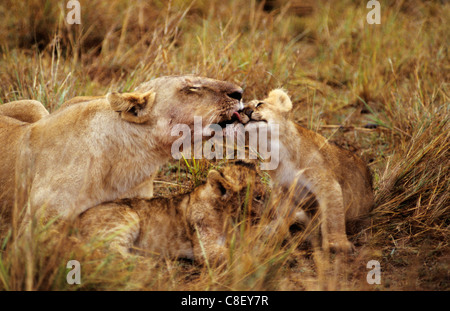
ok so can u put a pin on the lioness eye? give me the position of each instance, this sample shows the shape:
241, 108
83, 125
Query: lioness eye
194, 88
258, 104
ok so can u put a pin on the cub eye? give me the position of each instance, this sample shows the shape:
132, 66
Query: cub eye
259, 104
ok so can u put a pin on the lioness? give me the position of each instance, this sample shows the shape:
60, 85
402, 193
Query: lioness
179, 226
97, 150
340, 181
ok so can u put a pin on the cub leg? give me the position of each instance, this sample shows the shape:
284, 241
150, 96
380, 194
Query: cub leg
331, 210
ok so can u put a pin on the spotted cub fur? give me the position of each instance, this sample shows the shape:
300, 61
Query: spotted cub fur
191, 225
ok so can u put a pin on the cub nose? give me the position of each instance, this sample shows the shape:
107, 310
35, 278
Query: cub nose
248, 111
236, 94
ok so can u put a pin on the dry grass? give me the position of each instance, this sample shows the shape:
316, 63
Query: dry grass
341, 74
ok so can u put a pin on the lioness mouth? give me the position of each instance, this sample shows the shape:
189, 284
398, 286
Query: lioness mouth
234, 117
257, 121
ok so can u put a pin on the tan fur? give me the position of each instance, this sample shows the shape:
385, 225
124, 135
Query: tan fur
31, 111
28, 111
143, 190
79, 99
178, 226
338, 179
96, 150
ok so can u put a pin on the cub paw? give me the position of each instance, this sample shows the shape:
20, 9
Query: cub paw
345, 247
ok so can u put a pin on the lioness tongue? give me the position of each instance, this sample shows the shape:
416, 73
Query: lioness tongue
237, 116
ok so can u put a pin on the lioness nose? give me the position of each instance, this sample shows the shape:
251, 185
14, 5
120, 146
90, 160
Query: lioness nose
236, 95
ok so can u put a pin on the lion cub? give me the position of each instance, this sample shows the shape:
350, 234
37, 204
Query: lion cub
179, 226
339, 181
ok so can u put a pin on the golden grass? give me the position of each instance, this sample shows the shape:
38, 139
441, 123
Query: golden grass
338, 70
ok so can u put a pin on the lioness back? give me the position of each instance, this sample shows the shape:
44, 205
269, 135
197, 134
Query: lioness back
28, 111
11, 131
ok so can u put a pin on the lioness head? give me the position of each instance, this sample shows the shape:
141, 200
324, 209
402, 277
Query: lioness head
180, 98
169, 101
276, 106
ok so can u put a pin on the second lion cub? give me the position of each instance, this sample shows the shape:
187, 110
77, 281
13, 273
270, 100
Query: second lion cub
308, 164
179, 226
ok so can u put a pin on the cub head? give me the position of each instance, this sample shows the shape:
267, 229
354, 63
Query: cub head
222, 199
276, 106
235, 187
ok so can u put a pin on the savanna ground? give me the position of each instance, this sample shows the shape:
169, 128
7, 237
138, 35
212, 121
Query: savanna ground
379, 90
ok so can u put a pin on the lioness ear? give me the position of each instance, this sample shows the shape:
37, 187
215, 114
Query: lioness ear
280, 99
133, 107
220, 185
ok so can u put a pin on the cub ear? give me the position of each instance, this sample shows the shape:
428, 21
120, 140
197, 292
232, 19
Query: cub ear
133, 107
220, 185
280, 99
